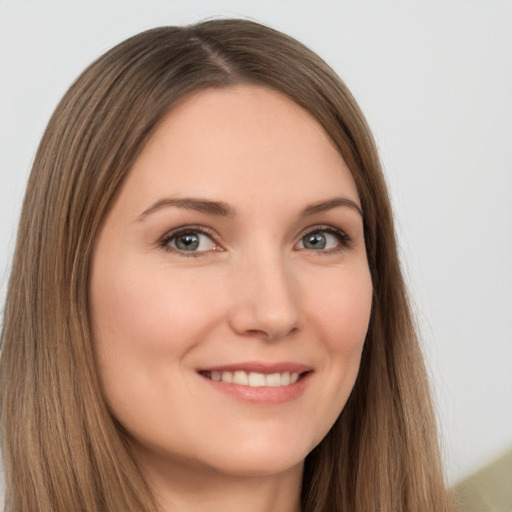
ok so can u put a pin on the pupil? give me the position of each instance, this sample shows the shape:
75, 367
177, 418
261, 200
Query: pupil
315, 241
188, 242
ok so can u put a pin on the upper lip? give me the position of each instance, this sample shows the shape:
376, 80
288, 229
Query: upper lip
260, 367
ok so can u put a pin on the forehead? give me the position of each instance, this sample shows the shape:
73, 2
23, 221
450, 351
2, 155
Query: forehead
244, 138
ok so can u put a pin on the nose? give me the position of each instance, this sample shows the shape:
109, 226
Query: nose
264, 299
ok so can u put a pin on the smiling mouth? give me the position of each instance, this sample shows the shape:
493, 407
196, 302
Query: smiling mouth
253, 379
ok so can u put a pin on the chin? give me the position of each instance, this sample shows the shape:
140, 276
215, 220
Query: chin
250, 459
260, 464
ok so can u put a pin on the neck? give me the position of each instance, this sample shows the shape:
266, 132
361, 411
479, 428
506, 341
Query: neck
188, 487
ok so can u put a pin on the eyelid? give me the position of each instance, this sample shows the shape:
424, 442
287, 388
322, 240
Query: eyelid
345, 239
204, 230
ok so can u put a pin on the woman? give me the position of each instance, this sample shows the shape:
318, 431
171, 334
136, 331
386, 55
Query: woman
206, 308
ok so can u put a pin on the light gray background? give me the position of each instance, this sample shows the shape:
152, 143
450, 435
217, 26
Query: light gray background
435, 81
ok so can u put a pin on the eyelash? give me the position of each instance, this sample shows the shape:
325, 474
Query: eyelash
344, 240
164, 241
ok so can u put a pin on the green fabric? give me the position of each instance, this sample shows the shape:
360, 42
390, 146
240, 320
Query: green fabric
487, 490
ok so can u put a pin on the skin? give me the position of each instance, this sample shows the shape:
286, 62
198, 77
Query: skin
254, 290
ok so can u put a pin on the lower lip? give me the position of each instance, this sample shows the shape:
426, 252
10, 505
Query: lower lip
263, 394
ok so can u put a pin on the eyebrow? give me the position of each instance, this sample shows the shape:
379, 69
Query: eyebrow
223, 209
219, 208
330, 204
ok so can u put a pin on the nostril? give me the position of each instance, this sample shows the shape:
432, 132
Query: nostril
271, 334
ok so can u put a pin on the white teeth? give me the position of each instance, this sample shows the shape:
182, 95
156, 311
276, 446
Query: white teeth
273, 380
227, 377
240, 378
255, 379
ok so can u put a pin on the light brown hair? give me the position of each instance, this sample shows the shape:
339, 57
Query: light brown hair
63, 451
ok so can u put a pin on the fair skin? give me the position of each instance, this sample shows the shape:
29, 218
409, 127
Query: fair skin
234, 252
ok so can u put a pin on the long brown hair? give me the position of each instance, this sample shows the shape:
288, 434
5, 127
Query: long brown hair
63, 451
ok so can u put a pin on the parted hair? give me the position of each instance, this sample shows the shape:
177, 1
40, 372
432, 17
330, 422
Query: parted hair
63, 451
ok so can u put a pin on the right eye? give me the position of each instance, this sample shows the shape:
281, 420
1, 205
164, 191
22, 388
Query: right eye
192, 241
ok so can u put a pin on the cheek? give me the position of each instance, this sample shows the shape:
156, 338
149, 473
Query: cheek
145, 310
340, 314
341, 309
144, 324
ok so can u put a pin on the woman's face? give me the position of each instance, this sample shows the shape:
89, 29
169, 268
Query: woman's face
230, 289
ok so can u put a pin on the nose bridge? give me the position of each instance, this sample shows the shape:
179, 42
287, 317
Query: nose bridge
265, 302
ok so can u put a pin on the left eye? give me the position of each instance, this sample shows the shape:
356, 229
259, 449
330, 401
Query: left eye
190, 241
321, 240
